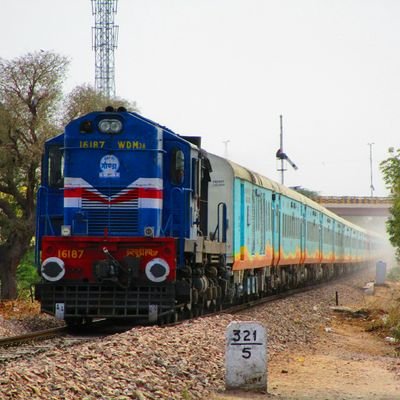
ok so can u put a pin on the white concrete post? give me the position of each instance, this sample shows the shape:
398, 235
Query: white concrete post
380, 273
60, 310
246, 356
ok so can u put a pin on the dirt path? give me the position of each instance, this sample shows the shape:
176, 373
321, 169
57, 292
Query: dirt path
346, 363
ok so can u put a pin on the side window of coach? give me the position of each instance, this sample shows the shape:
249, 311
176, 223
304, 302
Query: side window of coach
177, 166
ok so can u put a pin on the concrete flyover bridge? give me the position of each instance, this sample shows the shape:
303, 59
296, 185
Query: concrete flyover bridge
370, 213
347, 206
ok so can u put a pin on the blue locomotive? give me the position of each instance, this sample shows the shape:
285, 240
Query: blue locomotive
135, 221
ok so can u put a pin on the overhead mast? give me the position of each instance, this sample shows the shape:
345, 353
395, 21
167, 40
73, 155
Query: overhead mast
370, 167
281, 155
104, 42
282, 170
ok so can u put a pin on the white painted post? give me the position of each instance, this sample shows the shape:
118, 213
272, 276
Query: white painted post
60, 310
380, 273
246, 356
153, 312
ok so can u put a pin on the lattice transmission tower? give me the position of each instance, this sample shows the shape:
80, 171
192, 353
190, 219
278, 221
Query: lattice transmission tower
104, 42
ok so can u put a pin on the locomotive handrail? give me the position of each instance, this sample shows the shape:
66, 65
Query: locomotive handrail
224, 222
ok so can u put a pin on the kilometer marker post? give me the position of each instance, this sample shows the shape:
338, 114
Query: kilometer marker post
246, 356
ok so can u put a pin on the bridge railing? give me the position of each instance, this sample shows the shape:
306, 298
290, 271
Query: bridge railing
353, 200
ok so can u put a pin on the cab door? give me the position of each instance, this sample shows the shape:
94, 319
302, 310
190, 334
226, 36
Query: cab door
178, 202
50, 196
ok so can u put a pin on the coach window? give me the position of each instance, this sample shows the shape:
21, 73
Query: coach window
177, 166
55, 162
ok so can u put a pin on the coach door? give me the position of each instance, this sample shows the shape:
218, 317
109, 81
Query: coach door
276, 228
303, 233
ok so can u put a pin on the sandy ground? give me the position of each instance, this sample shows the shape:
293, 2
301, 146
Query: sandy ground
346, 363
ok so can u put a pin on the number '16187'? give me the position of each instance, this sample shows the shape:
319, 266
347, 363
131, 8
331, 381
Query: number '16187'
70, 253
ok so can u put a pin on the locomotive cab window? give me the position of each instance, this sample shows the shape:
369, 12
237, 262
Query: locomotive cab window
177, 166
55, 167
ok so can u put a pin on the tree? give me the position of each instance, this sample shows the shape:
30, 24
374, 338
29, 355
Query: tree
30, 92
84, 99
307, 192
391, 175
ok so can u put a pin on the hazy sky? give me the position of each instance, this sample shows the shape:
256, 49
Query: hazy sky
226, 70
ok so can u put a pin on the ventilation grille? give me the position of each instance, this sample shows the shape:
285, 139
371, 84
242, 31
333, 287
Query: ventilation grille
115, 211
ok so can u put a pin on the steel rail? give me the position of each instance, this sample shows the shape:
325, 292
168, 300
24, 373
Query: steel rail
32, 336
236, 308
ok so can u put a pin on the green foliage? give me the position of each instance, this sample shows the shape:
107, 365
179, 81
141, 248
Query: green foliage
30, 95
32, 109
84, 99
396, 331
186, 395
27, 275
306, 192
393, 322
394, 274
391, 174
388, 324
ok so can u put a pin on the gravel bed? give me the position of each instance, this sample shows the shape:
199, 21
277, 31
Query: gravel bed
181, 362
20, 326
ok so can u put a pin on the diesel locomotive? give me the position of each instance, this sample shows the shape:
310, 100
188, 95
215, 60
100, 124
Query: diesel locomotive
135, 221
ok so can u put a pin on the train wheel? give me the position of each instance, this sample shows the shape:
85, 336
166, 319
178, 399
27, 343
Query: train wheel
199, 308
219, 304
188, 312
174, 317
196, 311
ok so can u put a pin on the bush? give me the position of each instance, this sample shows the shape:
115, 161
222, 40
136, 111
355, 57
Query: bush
396, 332
394, 274
27, 275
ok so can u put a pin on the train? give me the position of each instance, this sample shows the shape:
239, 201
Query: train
137, 222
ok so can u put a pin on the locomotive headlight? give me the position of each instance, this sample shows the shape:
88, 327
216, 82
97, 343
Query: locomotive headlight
52, 269
157, 270
149, 231
104, 126
115, 126
110, 126
65, 230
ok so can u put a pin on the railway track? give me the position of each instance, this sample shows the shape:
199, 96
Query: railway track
32, 336
33, 343
270, 298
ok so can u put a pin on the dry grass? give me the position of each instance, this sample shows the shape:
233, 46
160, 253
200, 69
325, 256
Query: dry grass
384, 310
19, 308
